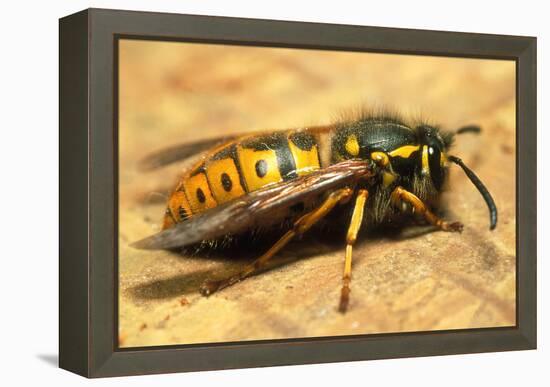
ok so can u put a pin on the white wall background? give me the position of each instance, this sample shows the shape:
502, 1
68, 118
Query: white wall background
29, 194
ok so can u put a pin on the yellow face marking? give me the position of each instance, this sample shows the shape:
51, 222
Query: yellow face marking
425, 162
259, 167
306, 160
352, 146
443, 159
198, 193
224, 179
380, 158
404, 151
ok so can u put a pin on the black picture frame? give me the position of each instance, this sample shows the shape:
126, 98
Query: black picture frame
88, 192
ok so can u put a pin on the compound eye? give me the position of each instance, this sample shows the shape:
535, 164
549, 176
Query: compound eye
437, 172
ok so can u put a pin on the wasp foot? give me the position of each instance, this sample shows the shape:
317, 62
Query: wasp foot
452, 227
211, 286
344, 299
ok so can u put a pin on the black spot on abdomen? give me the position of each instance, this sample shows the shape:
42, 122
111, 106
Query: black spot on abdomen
261, 168
226, 182
200, 195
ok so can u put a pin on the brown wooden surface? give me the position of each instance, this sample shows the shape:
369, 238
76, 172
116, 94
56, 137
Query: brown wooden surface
172, 93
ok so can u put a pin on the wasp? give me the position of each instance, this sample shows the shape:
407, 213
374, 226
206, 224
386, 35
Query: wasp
375, 164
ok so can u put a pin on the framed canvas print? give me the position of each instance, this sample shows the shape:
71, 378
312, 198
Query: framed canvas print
241, 193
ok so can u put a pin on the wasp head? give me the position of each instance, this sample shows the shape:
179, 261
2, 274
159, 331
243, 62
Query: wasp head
433, 147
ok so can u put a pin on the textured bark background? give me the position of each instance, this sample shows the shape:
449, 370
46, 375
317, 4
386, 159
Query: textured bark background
417, 280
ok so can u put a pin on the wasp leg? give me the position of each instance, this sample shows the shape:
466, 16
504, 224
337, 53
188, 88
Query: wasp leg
400, 194
300, 226
355, 225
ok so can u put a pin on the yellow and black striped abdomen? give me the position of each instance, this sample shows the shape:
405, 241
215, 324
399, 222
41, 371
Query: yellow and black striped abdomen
244, 165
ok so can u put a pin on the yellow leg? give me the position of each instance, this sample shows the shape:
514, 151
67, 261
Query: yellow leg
400, 194
353, 230
300, 226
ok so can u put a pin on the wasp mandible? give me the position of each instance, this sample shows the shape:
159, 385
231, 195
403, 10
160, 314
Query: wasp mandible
376, 163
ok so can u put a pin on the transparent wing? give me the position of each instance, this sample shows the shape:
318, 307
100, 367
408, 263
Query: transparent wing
179, 152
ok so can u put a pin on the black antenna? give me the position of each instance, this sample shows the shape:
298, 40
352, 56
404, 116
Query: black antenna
481, 188
468, 129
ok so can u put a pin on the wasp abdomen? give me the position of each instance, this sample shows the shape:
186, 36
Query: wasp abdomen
244, 165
